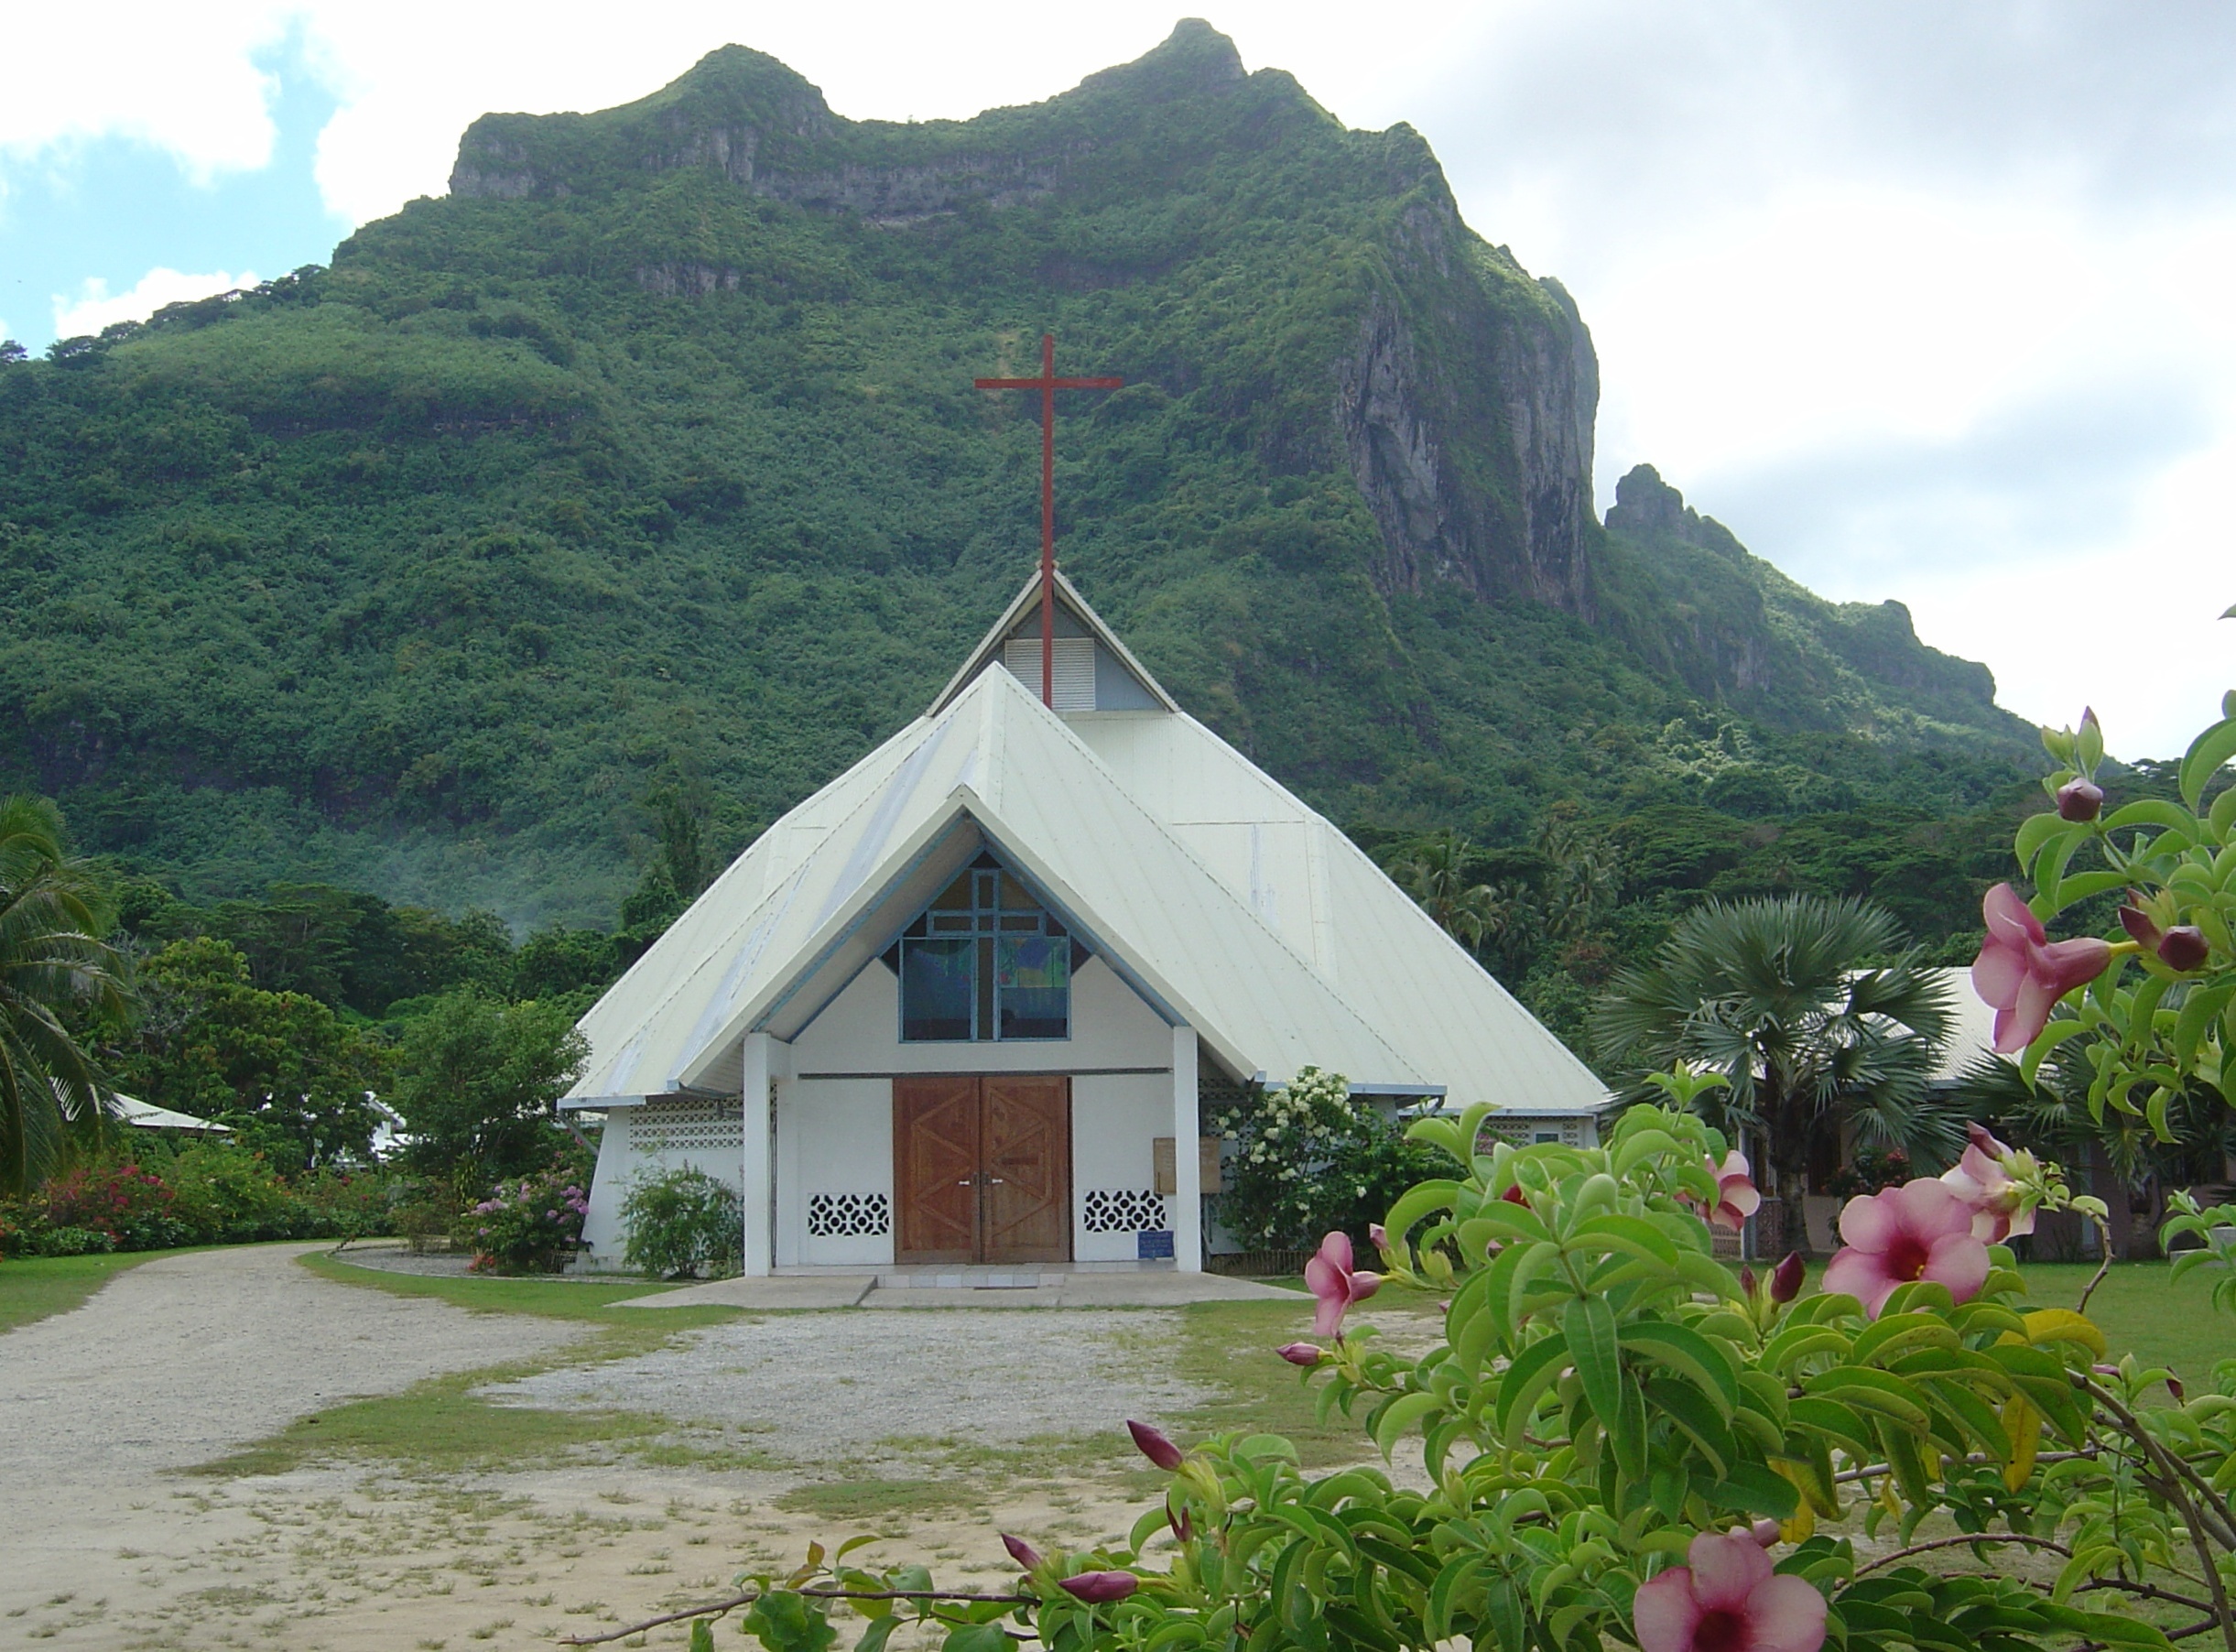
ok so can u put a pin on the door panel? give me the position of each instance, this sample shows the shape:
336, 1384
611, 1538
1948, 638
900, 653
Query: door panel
1026, 1140
983, 1169
936, 1138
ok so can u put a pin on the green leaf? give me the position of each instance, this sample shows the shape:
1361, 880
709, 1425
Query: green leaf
1633, 1235
977, 1637
1872, 1391
2154, 812
1691, 1355
1589, 1323
880, 1631
2206, 753
702, 1635
2035, 830
1400, 1414
1754, 1489
1419, 1201
1526, 1380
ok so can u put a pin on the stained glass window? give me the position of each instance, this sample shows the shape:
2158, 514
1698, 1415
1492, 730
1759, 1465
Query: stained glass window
985, 960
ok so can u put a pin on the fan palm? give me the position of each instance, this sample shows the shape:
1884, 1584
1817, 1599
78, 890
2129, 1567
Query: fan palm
54, 970
1773, 995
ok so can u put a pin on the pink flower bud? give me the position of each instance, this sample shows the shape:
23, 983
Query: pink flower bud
1514, 1195
1786, 1277
2138, 925
1156, 1446
1765, 1532
1024, 1553
2079, 799
1098, 1588
1379, 1235
2183, 948
2173, 1387
1182, 1523
1307, 1354
1746, 1279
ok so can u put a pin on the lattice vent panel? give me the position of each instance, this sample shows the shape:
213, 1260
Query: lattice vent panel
686, 1126
849, 1215
1123, 1211
1523, 1132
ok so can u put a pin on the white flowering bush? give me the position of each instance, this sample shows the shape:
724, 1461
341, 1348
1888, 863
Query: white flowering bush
1305, 1158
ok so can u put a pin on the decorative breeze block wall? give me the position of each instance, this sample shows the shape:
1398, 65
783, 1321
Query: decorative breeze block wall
1123, 1211
849, 1215
691, 1125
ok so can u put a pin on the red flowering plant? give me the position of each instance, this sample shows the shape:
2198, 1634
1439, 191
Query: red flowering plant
130, 1204
1622, 1444
528, 1223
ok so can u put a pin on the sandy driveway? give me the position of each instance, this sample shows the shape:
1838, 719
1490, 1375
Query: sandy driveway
179, 1361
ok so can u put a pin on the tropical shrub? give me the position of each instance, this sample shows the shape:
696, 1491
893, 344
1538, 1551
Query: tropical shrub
1304, 1158
1627, 1444
681, 1223
135, 1207
527, 1225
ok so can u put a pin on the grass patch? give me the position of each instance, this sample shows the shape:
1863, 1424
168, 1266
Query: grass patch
875, 1500
33, 1287
545, 1298
2162, 1321
1228, 1348
442, 1425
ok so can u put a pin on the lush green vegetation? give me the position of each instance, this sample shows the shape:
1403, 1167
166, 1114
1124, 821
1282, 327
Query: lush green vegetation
460, 570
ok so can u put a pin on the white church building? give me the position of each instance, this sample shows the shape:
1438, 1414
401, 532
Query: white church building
959, 1005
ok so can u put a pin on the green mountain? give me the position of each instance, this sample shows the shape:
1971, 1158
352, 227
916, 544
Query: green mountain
646, 464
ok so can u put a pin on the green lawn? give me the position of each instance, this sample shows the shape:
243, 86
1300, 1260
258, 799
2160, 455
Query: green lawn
31, 1288
545, 1298
2162, 1321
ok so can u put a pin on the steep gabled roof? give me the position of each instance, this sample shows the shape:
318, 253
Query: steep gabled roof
1224, 902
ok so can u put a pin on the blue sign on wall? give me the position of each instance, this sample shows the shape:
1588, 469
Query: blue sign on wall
1153, 1248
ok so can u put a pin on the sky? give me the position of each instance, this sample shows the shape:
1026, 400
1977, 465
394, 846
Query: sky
1925, 302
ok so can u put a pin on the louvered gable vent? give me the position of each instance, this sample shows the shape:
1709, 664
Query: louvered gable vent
1075, 669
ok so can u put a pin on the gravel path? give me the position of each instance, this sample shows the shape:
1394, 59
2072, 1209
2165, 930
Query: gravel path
185, 1358
827, 1384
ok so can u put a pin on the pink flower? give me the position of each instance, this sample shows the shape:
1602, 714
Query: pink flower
1727, 1599
1919, 1231
1330, 1274
1736, 1199
2023, 973
1982, 1180
1098, 1587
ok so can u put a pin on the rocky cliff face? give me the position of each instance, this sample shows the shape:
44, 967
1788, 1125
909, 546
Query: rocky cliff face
1461, 404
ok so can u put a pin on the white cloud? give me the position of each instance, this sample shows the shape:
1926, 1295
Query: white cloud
96, 307
180, 78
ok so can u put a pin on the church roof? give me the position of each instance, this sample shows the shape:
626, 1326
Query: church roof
1220, 896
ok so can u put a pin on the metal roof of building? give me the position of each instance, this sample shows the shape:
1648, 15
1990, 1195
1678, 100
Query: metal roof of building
1220, 896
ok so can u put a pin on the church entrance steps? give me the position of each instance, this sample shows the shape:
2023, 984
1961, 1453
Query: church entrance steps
1121, 1284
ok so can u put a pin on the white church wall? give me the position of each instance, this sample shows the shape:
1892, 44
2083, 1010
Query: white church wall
834, 1171
701, 1134
1114, 1118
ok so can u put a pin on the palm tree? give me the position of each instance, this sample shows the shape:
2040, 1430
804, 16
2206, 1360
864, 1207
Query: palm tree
1433, 870
1772, 994
54, 970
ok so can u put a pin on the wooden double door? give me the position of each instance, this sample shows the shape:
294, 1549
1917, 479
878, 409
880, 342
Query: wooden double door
982, 1166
